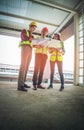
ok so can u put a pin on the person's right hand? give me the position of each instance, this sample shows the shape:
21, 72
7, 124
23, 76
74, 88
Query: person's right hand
30, 39
52, 49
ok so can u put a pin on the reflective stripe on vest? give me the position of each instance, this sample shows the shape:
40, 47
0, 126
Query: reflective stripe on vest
56, 56
26, 42
41, 50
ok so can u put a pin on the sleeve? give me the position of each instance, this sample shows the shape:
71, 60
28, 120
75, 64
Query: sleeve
24, 37
63, 48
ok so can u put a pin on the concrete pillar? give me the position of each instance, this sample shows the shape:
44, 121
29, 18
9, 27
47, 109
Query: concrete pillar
76, 48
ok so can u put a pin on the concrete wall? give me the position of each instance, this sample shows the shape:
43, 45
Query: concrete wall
67, 32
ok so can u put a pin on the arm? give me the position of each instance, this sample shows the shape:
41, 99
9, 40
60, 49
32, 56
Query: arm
24, 37
50, 50
63, 48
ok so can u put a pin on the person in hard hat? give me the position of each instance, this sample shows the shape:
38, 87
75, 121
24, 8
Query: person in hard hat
56, 56
40, 62
26, 54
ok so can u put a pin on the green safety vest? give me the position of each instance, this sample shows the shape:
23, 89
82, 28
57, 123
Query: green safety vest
25, 42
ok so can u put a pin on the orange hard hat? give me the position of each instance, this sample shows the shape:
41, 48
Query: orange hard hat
33, 24
45, 29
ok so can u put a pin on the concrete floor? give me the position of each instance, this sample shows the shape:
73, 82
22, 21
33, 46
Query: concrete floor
41, 109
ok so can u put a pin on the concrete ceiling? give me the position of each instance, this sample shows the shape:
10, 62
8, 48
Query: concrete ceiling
17, 14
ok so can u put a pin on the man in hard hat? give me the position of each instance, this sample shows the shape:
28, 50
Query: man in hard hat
56, 56
40, 61
26, 54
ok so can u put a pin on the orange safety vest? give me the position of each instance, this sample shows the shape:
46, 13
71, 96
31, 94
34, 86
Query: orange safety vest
26, 42
41, 50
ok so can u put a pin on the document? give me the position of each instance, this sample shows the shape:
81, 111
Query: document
54, 43
40, 41
46, 42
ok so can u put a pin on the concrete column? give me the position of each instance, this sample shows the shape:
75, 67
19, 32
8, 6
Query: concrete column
76, 49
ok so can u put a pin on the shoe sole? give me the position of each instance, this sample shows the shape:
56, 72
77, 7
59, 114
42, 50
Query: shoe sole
22, 90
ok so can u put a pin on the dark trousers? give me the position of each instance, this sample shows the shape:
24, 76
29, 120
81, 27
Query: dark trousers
60, 70
26, 54
40, 61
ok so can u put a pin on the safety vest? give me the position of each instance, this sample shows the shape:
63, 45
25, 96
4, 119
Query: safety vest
41, 50
26, 42
57, 55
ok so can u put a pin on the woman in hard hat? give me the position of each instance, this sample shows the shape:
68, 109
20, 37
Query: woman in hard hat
26, 54
56, 56
40, 61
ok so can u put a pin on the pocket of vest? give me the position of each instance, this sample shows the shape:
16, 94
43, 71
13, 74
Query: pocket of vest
59, 58
52, 58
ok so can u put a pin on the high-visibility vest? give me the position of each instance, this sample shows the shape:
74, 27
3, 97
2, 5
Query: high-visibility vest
26, 42
57, 55
41, 50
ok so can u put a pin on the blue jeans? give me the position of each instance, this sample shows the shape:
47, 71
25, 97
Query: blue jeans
60, 70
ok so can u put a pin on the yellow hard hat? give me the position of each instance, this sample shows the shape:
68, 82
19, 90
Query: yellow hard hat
33, 24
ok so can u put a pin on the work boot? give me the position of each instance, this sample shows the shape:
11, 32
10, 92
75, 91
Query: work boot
26, 86
61, 88
22, 88
50, 86
34, 87
39, 86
